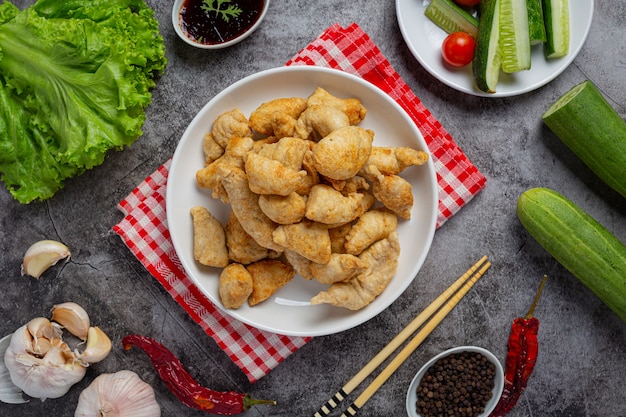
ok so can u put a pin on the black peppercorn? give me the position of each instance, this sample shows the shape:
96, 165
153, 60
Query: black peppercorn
464, 383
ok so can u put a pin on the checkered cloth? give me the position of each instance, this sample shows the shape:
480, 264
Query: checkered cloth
144, 227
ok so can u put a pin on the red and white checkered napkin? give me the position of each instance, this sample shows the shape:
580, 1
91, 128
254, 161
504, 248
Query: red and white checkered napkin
144, 227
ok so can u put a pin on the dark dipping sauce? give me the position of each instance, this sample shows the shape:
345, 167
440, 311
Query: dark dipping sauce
209, 28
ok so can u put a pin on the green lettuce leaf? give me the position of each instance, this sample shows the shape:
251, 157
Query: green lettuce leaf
75, 79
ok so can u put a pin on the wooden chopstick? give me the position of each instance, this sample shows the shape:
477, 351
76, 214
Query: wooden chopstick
412, 345
400, 338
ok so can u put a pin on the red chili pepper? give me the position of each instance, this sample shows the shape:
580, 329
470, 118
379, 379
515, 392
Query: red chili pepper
183, 385
521, 357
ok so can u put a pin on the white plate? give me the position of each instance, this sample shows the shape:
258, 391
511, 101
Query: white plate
288, 312
424, 39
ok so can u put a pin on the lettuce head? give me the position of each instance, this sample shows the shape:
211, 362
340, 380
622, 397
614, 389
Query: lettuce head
75, 79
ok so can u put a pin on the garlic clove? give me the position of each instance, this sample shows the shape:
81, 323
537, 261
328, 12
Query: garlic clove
9, 392
41, 346
73, 317
22, 340
55, 357
122, 394
98, 346
42, 327
42, 255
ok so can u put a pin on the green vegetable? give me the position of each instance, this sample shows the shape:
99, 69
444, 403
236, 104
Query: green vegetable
75, 77
230, 11
578, 242
486, 62
556, 17
451, 17
593, 130
536, 25
514, 36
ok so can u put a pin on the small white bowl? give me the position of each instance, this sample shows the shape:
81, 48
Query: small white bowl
411, 397
178, 4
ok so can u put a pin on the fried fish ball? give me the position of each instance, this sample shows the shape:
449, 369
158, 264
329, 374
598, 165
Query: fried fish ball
301, 264
392, 161
356, 293
289, 151
209, 239
312, 176
395, 193
245, 205
338, 237
329, 206
267, 176
212, 150
341, 154
283, 209
309, 239
268, 276
354, 184
370, 227
229, 124
318, 121
341, 267
283, 125
235, 285
262, 119
242, 248
208, 176
352, 107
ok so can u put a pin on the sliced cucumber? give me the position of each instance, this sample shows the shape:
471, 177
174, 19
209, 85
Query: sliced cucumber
556, 18
450, 17
536, 25
486, 62
514, 36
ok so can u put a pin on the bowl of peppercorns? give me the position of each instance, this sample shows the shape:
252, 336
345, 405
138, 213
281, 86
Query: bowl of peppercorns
464, 381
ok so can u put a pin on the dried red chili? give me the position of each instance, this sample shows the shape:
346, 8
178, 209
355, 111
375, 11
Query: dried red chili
521, 357
184, 386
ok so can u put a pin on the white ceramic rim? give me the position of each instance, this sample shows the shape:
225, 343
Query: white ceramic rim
176, 9
411, 396
342, 319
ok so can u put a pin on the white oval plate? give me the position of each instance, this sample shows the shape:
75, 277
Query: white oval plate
424, 39
288, 312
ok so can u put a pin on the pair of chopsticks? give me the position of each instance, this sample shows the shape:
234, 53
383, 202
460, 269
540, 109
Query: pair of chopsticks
448, 299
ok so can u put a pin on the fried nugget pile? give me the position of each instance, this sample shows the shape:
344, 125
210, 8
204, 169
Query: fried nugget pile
309, 194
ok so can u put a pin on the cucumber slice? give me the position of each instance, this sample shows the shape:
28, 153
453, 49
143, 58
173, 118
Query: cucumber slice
536, 25
514, 36
451, 18
556, 18
486, 62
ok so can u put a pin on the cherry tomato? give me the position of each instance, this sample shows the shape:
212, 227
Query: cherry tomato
467, 3
458, 49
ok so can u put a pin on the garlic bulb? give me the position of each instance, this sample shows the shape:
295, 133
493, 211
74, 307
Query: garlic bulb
9, 392
41, 364
40, 374
117, 395
42, 255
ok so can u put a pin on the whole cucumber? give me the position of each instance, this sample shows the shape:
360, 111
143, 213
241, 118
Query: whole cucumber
578, 242
593, 130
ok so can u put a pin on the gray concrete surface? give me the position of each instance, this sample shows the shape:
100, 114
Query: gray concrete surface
581, 366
